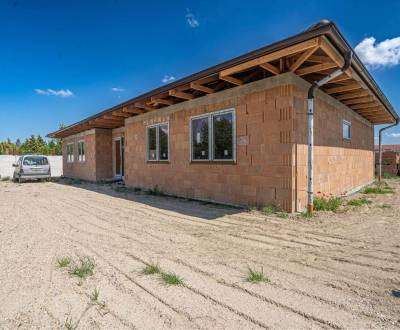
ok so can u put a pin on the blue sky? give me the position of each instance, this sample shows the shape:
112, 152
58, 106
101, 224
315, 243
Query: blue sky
61, 61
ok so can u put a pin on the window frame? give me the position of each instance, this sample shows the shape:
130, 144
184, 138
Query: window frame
84, 151
210, 116
348, 123
72, 158
157, 127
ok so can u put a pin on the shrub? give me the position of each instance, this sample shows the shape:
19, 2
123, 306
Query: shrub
327, 204
359, 201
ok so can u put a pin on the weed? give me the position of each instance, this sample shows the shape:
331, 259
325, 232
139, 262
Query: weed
282, 215
269, 209
379, 190
171, 279
83, 268
137, 189
385, 206
391, 176
255, 276
5, 178
94, 296
307, 215
359, 201
64, 262
327, 204
155, 191
151, 269
70, 324
121, 189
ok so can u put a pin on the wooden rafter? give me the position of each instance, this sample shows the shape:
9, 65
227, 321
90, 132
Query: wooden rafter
302, 58
272, 56
132, 110
342, 89
316, 68
360, 100
158, 100
144, 106
364, 106
354, 95
270, 68
201, 88
318, 58
181, 95
231, 80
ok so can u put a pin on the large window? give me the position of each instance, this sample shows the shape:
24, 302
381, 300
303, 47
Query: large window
158, 142
213, 136
81, 151
70, 153
346, 130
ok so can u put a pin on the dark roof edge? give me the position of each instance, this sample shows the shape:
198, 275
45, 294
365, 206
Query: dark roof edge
324, 28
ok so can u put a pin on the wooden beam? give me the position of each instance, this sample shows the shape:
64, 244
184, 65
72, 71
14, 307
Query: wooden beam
341, 89
341, 78
365, 106
354, 95
120, 114
303, 57
133, 110
181, 95
144, 106
316, 68
368, 110
366, 99
270, 68
201, 88
161, 101
318, 59
114, 118
231, 80
271, 57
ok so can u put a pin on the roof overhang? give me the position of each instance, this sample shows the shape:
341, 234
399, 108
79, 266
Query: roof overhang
311, 54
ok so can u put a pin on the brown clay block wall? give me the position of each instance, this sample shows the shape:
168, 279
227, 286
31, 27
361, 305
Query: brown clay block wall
98, 157
80, 170
264, 168
339, 166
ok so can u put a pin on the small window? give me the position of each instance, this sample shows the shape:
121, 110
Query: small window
70, 153
81, 151
158, 142
346, 130
213, 136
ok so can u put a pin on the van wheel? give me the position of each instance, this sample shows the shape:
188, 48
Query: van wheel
19, 180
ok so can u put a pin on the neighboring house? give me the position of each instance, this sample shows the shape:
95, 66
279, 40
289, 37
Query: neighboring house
237, 132
390, 159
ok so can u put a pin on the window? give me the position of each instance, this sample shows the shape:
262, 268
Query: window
81, 151
35, 161
158, 142
346, 130
70, 153
213, 136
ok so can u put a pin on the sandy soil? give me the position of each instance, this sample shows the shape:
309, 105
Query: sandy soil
338, 270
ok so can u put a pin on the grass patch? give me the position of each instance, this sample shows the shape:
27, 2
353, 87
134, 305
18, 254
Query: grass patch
390, 176
307, 215
5, 178
155, 191
64, 262
151, 269
359, 201
282, 215
269, 209
70, 324
94, 296
327, 204
171, 279
83, 268
379, 190
255, 276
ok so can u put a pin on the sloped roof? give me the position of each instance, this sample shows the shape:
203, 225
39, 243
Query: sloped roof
311, 54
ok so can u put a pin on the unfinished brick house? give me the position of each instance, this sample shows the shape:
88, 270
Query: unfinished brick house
390, 159
237, 132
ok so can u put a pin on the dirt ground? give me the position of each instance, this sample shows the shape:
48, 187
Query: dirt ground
337, 270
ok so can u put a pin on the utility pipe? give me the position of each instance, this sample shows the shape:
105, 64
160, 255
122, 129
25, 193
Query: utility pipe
380, 147
310, 124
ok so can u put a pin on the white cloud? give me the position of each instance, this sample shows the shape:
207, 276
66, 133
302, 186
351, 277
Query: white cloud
394, 135
167, 79
52, 92
191, 19
384, 53
118, 89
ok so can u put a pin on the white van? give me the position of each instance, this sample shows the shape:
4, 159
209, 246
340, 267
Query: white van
32, 167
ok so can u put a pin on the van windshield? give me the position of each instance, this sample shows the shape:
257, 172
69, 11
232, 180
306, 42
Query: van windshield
35, 161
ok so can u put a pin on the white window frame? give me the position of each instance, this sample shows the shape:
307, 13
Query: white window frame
348, 123
82, 158
157, 143
70, 157
210, 117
